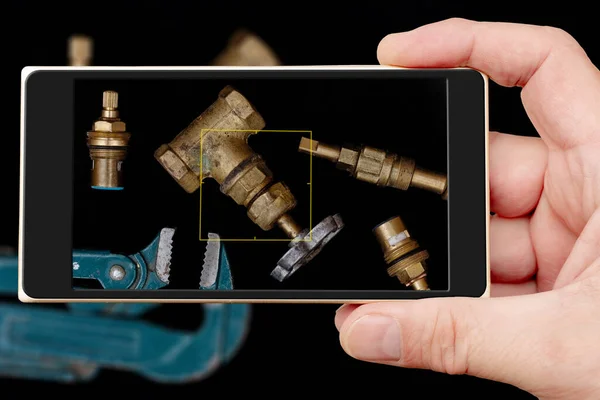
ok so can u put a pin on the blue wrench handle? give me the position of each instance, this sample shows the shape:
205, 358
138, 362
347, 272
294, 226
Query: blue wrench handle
87, 264
9, 275
113, 271
48, 370
9, 284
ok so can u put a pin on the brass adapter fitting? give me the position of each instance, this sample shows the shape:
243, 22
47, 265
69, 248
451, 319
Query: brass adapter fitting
107, 143
80, 50
228, 159
246, 49
378, 167
402, 254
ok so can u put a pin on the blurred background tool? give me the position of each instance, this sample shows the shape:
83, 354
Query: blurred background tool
80, 50
246, 48
378, 167
219, 137
42, 343
402, 253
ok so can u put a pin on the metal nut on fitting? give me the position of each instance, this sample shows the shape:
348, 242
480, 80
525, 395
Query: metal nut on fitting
108, 142
271, 205
247, 180
402, 254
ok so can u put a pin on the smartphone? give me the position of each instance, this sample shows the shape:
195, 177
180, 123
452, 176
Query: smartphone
340, 184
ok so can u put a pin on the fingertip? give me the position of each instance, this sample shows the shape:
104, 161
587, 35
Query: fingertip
389, 47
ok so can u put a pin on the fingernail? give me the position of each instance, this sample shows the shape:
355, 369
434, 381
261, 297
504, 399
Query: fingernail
374, 338
340, 308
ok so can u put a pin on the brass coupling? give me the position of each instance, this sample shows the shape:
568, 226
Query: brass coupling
403, 255
215, 145
80, 50
378, 167
107, 143
245, 48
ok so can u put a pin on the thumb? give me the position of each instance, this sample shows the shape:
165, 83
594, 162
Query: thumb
502, 339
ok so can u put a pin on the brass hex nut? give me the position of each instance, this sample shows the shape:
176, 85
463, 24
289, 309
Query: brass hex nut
411, 272
109, 126
241, 106
177, 168
271, 205
250, 183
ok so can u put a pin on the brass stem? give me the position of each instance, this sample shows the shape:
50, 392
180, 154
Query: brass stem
420, 284
289, 226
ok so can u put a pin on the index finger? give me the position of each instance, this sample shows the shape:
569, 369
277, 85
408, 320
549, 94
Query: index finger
561, 86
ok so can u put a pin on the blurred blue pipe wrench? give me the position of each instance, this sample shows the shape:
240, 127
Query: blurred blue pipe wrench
72, 346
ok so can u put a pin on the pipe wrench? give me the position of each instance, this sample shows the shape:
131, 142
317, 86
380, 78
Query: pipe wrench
148, 269
69, 346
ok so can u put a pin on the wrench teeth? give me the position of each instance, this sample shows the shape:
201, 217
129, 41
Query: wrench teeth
165, 250
210, 266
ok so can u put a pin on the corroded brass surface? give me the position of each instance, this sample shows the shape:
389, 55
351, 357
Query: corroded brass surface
215, 145
378, 167
402, 254
107, 143
246, 49
80, 50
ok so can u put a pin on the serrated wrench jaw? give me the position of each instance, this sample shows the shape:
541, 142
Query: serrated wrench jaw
164, 254
210, 265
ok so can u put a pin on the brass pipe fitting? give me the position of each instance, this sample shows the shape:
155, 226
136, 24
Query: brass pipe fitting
80, 50
215, 145
107, 143
228, 159
378, 167
245, 48
402, 254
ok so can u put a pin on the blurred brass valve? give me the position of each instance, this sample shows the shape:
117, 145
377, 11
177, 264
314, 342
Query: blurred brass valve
402, 254
378, 167
80, 50
215, 145
107, 143
246, 49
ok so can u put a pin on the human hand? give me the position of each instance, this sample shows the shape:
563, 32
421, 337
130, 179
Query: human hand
540, 331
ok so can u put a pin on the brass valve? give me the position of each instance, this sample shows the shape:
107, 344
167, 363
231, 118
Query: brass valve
107, 143
402, 254
378, 167
246, 49
80, 50
215, 145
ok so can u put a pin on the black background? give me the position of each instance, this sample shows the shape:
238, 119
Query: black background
407, 116
290, 347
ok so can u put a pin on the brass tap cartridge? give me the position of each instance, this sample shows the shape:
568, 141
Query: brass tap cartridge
378, 167
107, 143
402, 254
215, 145
80, 50
245, 48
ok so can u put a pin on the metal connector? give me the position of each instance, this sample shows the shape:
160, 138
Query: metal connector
215, 145
108, 142
378, 167
402, 254
80, 50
